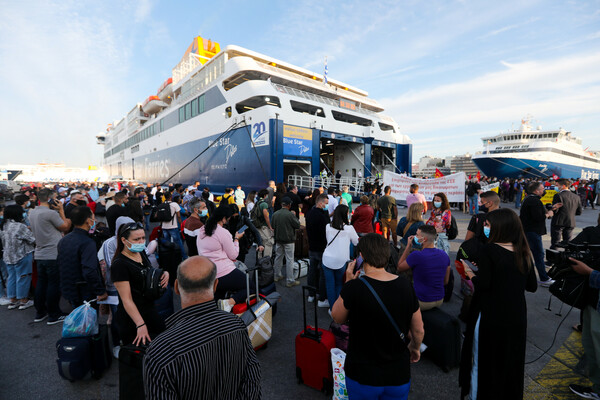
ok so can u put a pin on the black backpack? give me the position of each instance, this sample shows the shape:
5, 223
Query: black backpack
257, 216
161, 213
100, 209
453, 231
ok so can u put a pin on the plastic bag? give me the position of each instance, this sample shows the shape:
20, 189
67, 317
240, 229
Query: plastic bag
83, 321
338, 359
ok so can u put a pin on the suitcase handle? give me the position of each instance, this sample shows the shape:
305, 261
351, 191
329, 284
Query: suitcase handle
248, 272
307, 332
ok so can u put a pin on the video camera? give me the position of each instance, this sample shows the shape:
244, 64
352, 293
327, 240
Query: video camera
584, 252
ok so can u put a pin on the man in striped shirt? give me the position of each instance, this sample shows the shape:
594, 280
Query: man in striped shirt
205, 353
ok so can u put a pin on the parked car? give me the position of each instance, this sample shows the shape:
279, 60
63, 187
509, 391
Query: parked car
6, 193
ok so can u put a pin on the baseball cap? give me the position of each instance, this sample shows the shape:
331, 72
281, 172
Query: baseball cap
286, 200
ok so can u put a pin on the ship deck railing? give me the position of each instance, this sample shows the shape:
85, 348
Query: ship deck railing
356, 186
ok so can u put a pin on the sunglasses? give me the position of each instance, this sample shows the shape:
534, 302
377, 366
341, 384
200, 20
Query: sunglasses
132, 226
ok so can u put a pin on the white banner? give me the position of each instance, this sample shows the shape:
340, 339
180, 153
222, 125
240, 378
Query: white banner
453, 186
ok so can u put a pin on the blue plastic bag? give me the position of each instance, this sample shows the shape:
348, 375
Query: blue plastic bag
83, 321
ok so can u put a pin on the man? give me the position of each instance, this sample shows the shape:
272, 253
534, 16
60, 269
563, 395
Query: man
285, 224
93, 192
227, 197
346, 196
316, 223
491, 201
119, 209
388, 214
293, 195
533, 217
589, 234
333, 202
473, 190
563, 220
262, 221
80, 275
48, 224
362, 218
205, 353
590, 335
373, 198
239, 195
271, 195
170, 229
415, 197
185, 203
77, 199
519, 187
193, 224
430, 268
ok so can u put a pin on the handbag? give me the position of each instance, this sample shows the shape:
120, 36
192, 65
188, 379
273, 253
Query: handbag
384, 308
152, 289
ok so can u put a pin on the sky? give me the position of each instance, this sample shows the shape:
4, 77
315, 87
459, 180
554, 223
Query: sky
449, 72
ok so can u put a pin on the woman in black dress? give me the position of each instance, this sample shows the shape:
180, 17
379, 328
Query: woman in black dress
493, 355
137, 319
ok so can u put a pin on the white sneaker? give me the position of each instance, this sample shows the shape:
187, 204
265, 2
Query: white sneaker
310, 299
25, 306
546, 283
323, 304
116, 350
4, 301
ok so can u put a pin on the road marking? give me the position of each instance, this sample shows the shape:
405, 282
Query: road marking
552, 383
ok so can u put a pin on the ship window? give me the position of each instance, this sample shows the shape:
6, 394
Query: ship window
188, 111
194, 107
201, 104
351, 119
161, 125
256, 102
307, 109
386, 127
181, 114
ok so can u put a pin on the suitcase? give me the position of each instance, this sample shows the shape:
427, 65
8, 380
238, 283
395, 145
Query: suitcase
301, 244
266, 273
313, 357
261, 327
74, 358
442, 337
131, 377
300, 268
101, 351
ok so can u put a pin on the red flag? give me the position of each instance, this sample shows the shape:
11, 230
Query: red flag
555, 177
438, 173
478, 176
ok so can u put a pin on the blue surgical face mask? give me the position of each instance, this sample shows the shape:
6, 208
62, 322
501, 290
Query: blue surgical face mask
136, 247
123, 205
416, 241
203, 213
93, 228
486, 231
437, 204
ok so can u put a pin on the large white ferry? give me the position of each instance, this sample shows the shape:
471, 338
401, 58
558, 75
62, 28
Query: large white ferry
537, 153
235, 116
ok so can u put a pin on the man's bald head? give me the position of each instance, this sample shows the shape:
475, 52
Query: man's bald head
196, 275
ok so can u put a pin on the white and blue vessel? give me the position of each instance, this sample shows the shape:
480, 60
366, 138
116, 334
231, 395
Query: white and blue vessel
537, 153
234, 116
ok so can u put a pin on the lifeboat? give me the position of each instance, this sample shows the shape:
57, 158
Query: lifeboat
165, 91
152, 105
101, 138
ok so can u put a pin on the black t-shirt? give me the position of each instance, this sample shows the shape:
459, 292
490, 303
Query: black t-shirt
473, 188
476, 226
115, 211
376, 355
124, 269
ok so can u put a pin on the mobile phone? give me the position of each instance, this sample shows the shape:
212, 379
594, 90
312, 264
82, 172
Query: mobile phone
358, 265
471, 265
243, 228
52, 202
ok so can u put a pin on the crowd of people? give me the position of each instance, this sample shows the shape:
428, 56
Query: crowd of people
91, 241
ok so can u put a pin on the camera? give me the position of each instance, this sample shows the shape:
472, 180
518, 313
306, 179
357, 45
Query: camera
587, 253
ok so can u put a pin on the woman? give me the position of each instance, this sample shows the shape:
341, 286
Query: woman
250, 201
339, 235
407, 226
214, 242
238, 219
493, 356
18, 245
137, 318
379, 367
441, 218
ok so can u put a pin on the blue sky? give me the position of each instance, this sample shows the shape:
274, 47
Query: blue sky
448, 72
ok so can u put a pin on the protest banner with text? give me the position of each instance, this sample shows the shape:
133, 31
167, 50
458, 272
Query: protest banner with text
453, 186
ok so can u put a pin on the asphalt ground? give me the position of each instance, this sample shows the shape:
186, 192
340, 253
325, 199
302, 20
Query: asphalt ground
28, 367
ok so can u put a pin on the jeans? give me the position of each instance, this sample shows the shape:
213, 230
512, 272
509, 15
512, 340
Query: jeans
47, 290
537, 249
333, 282
175, 235
590, 339
473, 204
234, 285
315, 277
3, 278
556, 232
147, 222
357, 391
518, 197
19, 278
286, 249
475, 368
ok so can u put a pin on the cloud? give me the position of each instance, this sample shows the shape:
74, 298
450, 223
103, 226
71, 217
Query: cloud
143, 10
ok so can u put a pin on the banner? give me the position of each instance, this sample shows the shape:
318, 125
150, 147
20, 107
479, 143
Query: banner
297, 141
492, 186
453, 186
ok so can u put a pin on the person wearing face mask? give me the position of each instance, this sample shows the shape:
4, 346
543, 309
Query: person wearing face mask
193, 224
215, 243
80, 275
317, 220
490, 201
23, 201
440, 219
430, 267
137, 319
238, 219
119, 209
76, 200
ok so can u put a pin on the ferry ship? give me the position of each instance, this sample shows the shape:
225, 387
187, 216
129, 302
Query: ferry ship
537, 153
234, 116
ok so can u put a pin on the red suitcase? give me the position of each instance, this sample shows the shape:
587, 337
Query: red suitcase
313, 357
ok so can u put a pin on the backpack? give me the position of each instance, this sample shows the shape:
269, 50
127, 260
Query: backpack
471, 190
453, 231
161, 213
100, 209
257, 216
392, 266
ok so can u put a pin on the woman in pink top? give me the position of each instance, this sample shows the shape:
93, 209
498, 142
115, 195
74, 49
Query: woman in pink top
416, 197
215, 242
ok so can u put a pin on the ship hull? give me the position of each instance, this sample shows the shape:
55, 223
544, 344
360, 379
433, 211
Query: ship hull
512, 167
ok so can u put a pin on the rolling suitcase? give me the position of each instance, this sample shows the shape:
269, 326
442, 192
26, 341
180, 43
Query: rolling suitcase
301, 244
443, 338
101, 351
74, 358
131, 378
313, 357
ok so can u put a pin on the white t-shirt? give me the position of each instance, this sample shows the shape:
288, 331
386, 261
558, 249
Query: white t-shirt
173, 222
338, 250
333, 203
